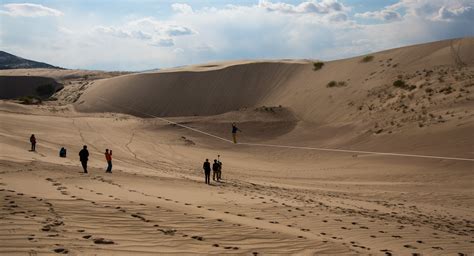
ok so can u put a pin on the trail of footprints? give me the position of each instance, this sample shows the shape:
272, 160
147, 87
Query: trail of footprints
54, 223
140, 216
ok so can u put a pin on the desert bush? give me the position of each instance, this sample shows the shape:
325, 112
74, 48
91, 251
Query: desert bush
45, 89
368, 58
402, 85
51, 99
336, 84
318, 65
30, 100
447, 90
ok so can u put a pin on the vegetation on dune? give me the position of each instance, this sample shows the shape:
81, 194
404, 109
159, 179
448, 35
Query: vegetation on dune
318, 65
402, 85
269, 109
30, 100
336, 84
368, 58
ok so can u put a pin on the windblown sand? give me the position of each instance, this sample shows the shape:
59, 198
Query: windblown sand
271, 200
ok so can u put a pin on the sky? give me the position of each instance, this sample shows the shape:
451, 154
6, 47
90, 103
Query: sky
139, 35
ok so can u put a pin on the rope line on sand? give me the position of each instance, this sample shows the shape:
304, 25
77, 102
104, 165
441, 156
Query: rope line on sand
292, 147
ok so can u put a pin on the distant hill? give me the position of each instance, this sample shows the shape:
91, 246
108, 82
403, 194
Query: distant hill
10, 61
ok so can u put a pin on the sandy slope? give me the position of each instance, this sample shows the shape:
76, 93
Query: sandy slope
272, 200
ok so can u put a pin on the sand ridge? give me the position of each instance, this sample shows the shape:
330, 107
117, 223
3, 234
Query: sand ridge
283, 199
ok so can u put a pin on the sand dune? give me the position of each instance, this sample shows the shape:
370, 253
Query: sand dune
273, 200
438, 97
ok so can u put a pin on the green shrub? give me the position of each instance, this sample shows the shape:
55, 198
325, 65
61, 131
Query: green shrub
30, 100
318, 65
336, 84
368, 58
402, 85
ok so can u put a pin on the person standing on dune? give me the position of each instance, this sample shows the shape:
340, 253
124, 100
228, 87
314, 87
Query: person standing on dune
234, 132
84, 157
219, 172
207, 171
108, 157
215, 170
33, 142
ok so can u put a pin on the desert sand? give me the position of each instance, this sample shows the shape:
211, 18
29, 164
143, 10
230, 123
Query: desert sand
286, 188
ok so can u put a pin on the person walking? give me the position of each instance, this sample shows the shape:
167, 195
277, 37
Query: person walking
108, 157
219, 172
84, 157
234, 132
207, 171
215, 170
33, 142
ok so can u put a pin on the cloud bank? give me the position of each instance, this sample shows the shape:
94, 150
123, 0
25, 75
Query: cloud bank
319, 29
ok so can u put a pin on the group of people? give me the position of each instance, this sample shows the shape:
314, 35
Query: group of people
216, 170
84, 158
83, 155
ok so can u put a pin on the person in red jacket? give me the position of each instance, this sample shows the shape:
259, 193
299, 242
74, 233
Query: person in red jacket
108, 157
33, 142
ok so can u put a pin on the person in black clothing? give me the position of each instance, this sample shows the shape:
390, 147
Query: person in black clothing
62, 152
33, 142
219, 173
215, 170
234, 132
84, 157
207, 171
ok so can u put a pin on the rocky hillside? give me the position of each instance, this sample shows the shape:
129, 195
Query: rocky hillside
10, 61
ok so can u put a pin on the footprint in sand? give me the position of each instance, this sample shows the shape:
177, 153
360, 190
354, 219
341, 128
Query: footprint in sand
169, 232
409, 246
61, 250
103, 241
87, 236
199, 238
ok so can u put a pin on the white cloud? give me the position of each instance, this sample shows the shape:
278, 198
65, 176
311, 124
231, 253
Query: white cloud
163, 42
30, 10
182, 8
174, 30
65, 30
178, 51
150, 24
322, 7
450, 14
112, 31
138, 34
385, 15
318, 29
